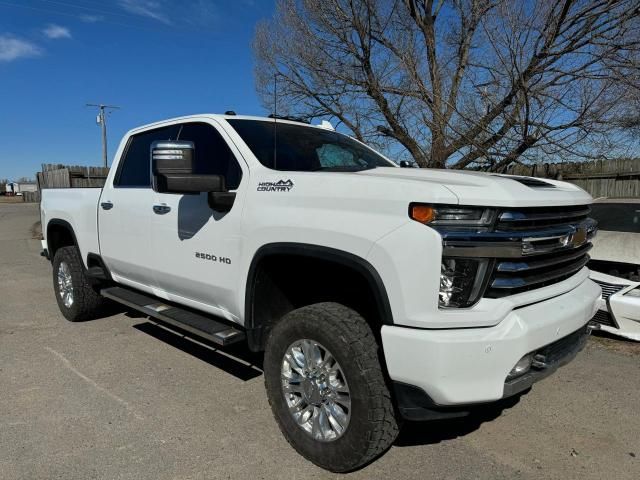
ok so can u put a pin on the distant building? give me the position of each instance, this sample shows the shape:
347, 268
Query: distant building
14, 188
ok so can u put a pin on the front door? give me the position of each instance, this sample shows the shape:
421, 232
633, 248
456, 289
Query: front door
198, 249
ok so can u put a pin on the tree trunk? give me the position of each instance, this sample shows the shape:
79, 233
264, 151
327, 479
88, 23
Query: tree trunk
438, 151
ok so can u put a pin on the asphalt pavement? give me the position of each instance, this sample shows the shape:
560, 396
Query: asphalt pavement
122, 398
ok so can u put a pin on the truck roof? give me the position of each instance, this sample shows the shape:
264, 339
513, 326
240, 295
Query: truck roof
221, 116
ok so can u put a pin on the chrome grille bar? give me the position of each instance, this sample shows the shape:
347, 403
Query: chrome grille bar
535, 263
523, 281
532, 218
517, 244
518, 216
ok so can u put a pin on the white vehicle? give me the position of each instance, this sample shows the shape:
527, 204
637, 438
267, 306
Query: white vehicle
615, 266
377, 293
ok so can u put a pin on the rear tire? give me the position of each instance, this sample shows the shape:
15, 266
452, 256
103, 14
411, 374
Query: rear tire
342, 336
78, 298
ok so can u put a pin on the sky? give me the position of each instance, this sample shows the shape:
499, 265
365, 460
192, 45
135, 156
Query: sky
156, 59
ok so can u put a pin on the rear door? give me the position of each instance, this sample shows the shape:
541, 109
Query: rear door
125, 213
198, 249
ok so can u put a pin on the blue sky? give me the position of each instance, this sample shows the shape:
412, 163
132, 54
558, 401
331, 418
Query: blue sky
155, 58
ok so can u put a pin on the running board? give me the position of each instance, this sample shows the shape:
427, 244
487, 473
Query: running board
200, 325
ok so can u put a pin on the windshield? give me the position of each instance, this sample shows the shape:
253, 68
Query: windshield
305, 149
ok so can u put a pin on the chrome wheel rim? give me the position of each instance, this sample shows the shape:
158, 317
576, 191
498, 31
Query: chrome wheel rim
65, 284
316, 390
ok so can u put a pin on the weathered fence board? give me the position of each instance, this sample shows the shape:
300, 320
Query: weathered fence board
55, 179
71, 176
31, 197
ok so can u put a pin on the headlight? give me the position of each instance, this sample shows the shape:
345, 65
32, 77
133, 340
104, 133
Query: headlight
451, 215
461, 281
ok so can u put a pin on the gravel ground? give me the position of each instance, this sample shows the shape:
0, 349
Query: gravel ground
121, 398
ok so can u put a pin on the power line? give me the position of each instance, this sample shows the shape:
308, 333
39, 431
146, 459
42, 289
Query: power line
147, 24
91, 9
78, 16
102, 120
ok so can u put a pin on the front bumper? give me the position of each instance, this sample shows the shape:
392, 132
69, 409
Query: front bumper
457, 367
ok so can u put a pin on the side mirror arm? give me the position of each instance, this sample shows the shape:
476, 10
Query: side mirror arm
221, 201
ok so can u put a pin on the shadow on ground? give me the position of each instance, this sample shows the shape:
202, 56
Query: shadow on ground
236, 360
436, 431
245, 365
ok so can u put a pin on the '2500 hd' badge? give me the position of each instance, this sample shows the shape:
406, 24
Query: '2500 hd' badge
279, 186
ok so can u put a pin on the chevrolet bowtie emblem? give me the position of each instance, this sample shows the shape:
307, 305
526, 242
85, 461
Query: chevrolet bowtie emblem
578, 238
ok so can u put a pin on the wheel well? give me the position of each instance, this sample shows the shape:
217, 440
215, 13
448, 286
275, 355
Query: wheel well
282, 281
59, 234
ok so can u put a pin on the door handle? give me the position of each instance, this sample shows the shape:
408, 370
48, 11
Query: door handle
106, 205
161, 209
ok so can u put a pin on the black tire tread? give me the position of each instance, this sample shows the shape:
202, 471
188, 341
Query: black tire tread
343, 322
87, 302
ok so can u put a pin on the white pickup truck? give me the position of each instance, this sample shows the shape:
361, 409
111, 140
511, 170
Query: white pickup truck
377, 293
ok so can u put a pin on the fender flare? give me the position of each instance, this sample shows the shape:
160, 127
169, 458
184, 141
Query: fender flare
62, 223
349, 260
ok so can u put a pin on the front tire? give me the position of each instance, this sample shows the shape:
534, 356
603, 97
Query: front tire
78, 299
326, 388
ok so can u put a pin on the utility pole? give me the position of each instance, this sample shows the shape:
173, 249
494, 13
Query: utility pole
102, 121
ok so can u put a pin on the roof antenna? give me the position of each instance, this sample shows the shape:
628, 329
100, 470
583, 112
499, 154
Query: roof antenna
275, 119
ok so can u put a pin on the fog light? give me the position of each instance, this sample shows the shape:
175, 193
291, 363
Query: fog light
461, 281
522, 367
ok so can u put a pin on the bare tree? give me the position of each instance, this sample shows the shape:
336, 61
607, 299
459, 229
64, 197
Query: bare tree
457, 83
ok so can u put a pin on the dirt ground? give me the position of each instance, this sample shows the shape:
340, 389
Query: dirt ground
11, 199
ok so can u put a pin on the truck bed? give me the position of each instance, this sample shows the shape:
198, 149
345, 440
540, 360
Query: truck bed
79, 208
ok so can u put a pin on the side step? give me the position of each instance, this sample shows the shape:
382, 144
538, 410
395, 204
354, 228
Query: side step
200, 325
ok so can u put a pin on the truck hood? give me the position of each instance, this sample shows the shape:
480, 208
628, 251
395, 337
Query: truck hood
477, 188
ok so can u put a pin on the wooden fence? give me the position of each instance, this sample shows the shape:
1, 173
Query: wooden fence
619, 178
71, 176
31, 197
66, 176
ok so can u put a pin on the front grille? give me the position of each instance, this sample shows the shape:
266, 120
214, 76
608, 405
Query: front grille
549, 253
525, 248
604, 318
609, 289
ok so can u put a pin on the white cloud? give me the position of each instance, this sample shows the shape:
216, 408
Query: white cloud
56, 32
12, 48
147, 8
91, 18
